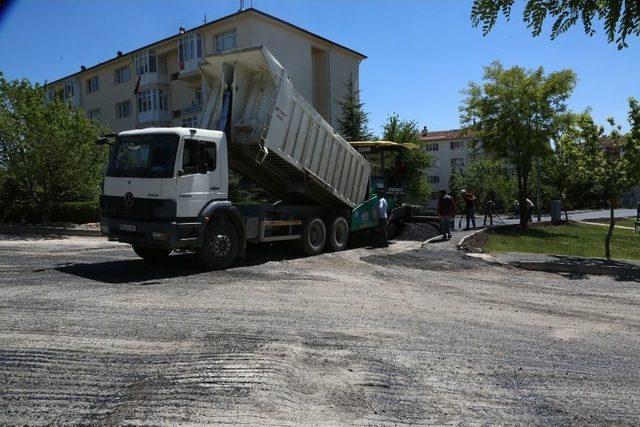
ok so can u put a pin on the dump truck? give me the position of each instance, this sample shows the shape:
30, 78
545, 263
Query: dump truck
166, 189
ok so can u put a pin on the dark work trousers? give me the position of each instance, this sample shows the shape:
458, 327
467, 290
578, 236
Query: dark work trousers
381, 232
490, 215
471, 216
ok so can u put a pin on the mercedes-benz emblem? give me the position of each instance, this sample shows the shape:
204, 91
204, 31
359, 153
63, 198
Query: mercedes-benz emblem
128, 199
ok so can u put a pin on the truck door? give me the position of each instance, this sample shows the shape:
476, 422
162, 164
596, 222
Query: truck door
199, 179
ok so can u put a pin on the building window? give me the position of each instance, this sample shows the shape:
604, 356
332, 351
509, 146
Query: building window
189, 47
121, 75
68, 91
123, 109
434, 146
434, 179
163, 99
146, 62
456, 145
190, 122
94, 114
434, 195
93, 84
225, 41
457, 163
153, 99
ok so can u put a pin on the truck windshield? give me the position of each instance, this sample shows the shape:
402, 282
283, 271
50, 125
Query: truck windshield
143, 156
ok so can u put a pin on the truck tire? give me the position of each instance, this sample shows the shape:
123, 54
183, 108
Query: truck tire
338, 235
220, 245
151, 254
314, 236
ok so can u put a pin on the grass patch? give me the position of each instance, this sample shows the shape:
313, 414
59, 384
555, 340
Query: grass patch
568, 239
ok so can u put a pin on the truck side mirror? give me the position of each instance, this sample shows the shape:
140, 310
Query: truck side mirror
180, 172
203, 168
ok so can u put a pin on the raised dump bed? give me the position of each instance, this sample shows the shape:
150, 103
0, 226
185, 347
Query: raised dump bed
275, 136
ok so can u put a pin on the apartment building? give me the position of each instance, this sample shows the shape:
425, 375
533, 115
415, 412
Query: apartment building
160, 84
452, 151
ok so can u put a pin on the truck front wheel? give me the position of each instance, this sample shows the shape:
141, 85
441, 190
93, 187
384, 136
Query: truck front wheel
314, 236
338, 235
220, 246
151, 254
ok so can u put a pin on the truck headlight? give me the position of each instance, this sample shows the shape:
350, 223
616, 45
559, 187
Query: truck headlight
157, 235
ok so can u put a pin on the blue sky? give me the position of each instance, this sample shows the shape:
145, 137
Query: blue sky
421, 53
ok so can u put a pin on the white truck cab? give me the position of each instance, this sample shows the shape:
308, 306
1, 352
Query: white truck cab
158, 182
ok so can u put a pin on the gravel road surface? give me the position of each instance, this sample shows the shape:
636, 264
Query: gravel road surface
91, 334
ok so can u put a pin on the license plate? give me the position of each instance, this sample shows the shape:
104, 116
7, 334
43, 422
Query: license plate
127, 227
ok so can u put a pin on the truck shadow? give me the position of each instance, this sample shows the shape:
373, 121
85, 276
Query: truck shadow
136, 271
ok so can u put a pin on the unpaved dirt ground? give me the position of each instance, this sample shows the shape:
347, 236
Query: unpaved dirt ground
90, 334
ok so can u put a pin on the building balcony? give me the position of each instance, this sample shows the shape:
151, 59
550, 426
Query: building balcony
158, 78
189, 68
154, 117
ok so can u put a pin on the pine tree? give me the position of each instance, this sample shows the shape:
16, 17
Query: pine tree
353, 124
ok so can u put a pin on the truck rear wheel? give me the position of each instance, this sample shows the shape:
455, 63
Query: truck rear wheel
314, 236
338, 235
220, 246
151, 254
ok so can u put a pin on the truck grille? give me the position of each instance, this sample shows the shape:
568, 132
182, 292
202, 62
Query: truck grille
141, 209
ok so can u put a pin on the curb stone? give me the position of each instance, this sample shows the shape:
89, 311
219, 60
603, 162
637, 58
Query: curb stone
62, 231
595, 266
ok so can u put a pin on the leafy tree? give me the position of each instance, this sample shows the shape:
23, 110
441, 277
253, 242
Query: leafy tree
515, 113
416, 161
47, 150
490, 179
621, 17
611, 162
353, 124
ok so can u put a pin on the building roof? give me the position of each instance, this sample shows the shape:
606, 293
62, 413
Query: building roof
217, 21
442, 135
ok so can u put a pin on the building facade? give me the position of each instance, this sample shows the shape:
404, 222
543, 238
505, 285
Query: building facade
452, 151
160, 84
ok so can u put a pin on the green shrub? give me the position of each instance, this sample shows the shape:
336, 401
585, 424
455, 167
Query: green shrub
76, 212
73, 212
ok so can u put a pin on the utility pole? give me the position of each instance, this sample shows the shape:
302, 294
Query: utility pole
538, 200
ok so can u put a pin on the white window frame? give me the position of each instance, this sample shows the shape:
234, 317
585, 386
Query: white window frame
220, 41
95, 114
119, 74
456, 145
68, 91
146, 62
190, 47
122, 108
432, 146
153, 100
93, 84
189, 122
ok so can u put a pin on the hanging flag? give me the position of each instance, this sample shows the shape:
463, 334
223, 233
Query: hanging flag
137, 89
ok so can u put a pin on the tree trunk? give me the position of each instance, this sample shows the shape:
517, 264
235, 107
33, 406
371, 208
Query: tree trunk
564, 208
522, 199
607, 241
